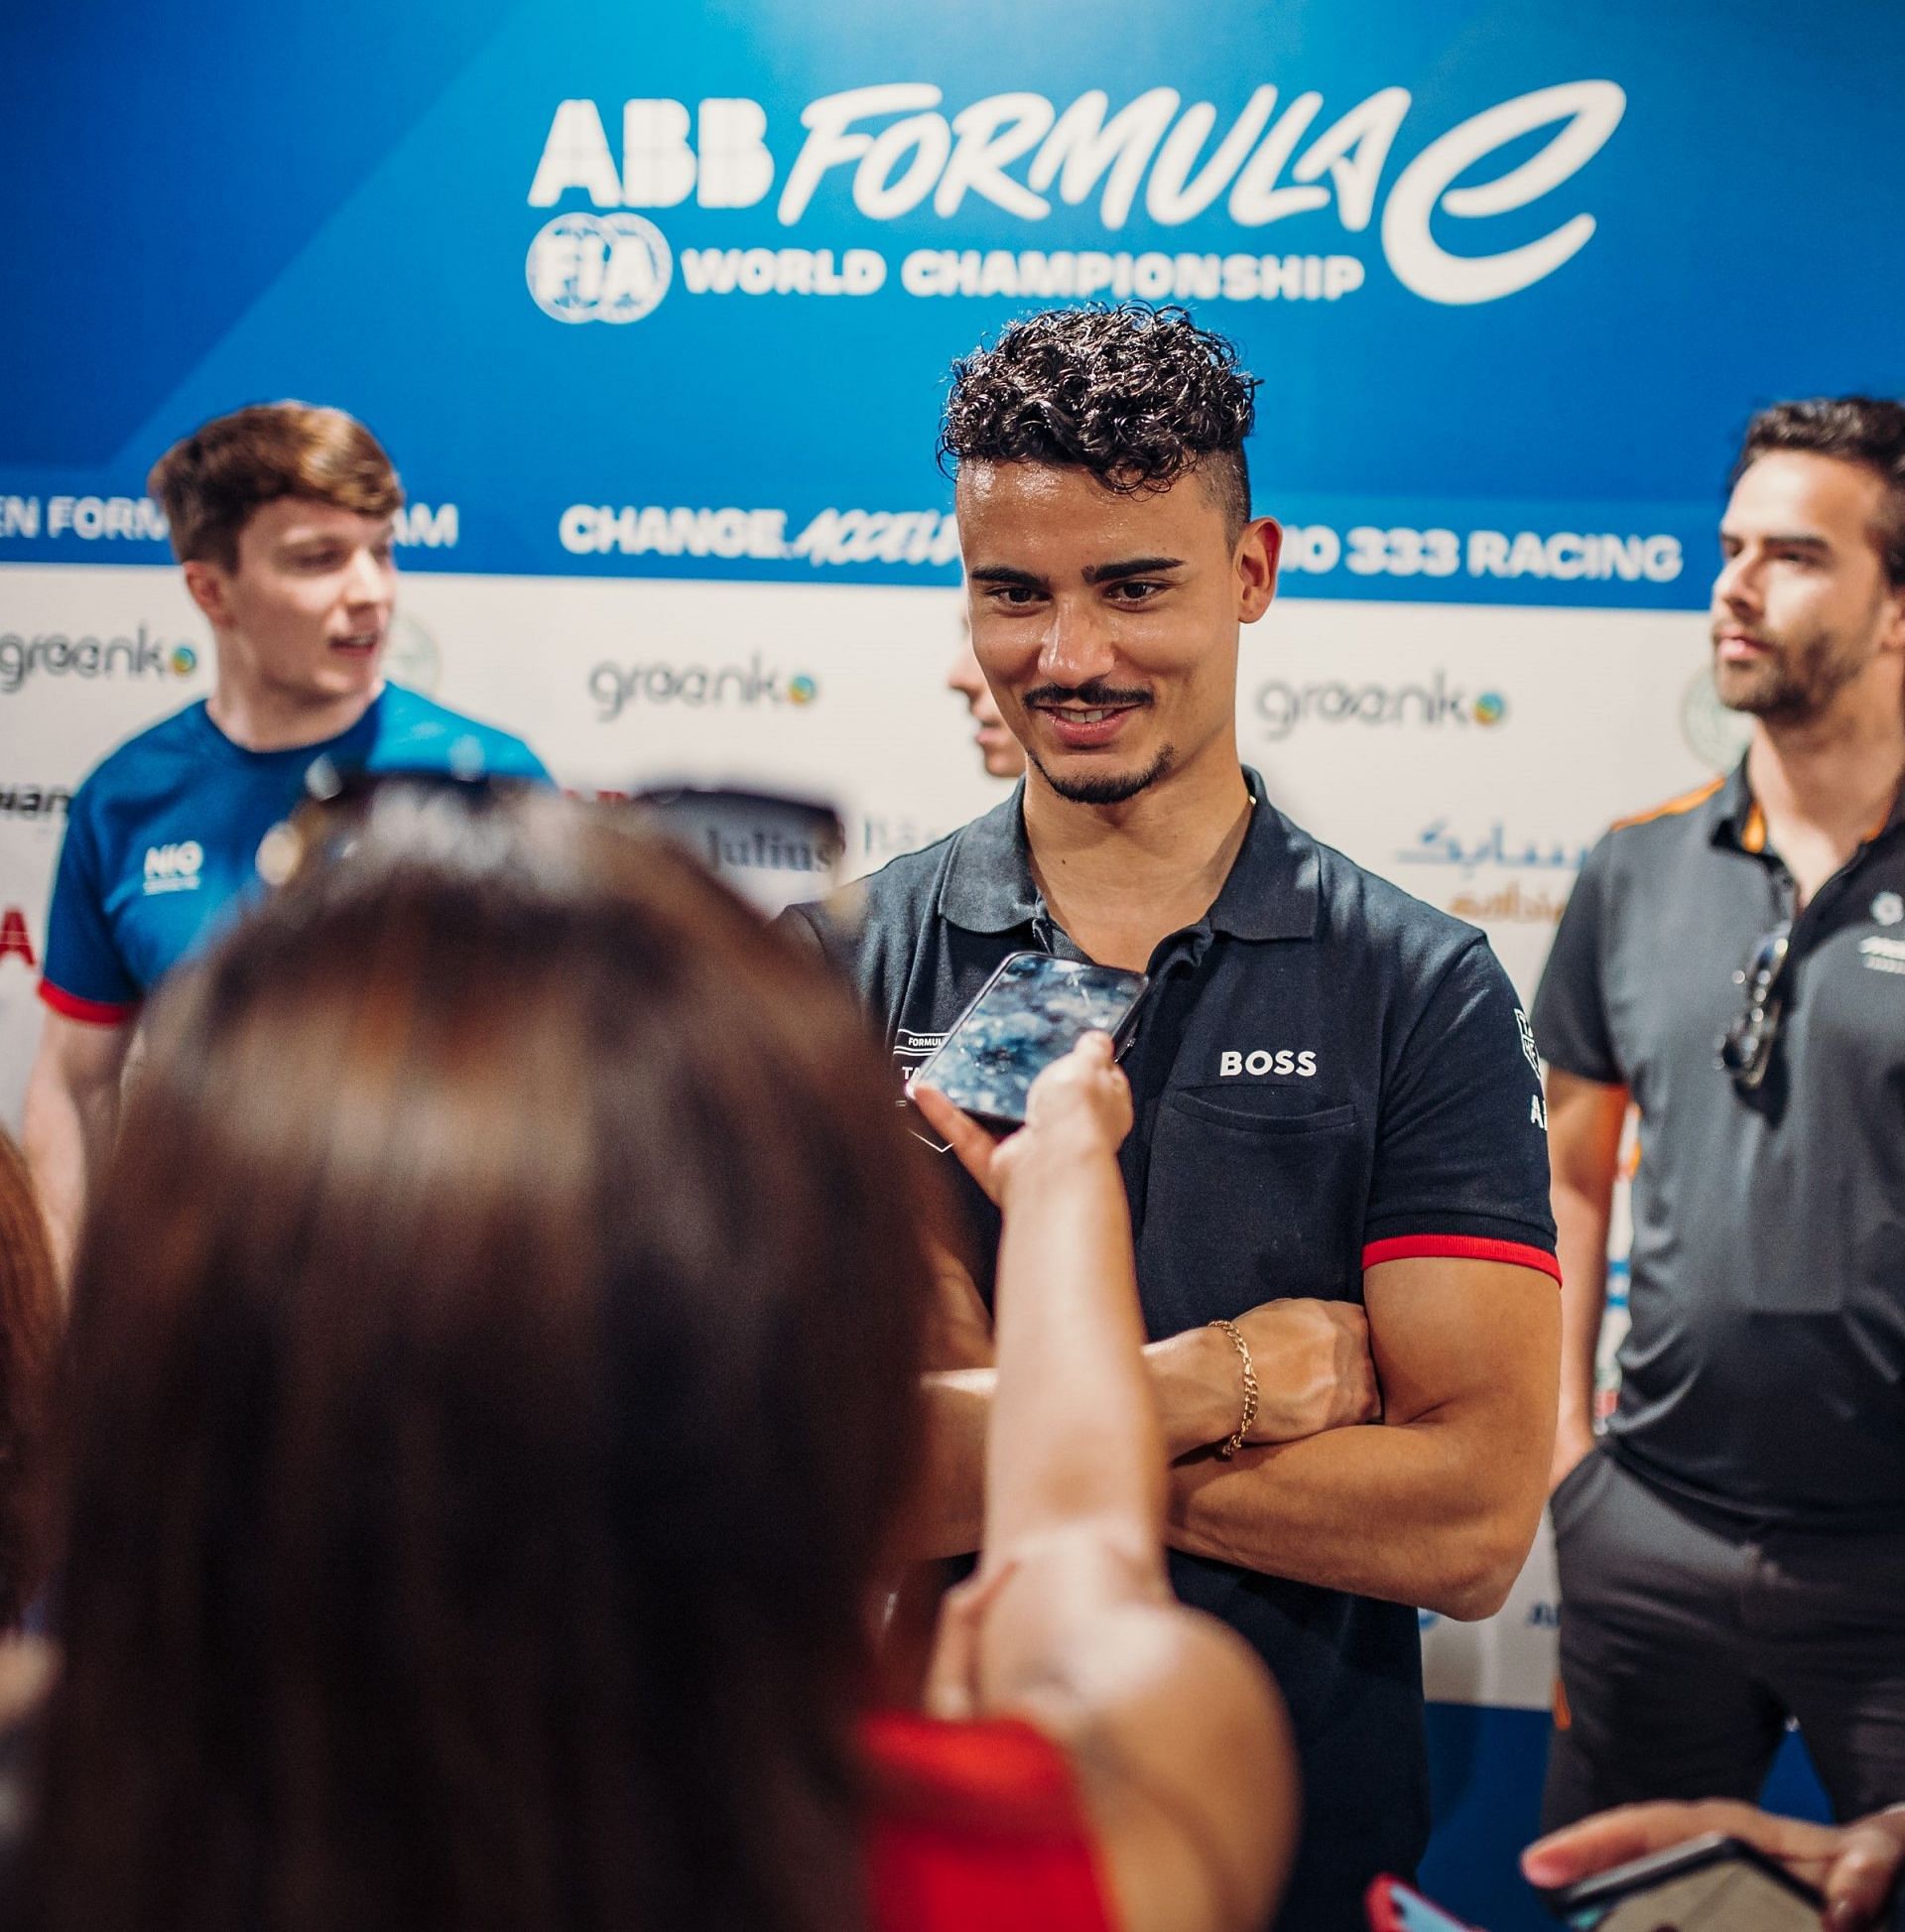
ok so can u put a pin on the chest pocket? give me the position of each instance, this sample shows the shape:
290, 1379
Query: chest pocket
1242, 1208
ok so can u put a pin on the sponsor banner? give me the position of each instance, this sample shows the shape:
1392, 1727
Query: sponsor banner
1428, 747
664, 295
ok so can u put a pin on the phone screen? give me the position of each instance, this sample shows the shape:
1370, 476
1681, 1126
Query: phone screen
1032, 1012
1706, 1885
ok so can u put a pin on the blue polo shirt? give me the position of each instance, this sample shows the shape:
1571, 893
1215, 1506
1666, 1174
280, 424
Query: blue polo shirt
162, 840
1326, 1074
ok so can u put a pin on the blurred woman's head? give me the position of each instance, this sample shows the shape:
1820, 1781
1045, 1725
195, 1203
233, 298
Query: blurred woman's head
494, 1357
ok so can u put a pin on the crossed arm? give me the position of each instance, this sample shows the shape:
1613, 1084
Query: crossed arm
1435, 1505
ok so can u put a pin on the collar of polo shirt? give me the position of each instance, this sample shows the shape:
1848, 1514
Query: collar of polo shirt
1738, 820
1271, 891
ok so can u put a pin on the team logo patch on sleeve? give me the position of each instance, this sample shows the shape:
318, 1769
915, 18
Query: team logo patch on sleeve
1527, 1032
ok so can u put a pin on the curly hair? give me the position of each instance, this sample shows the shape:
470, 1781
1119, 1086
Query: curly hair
1138, 396
1865, 430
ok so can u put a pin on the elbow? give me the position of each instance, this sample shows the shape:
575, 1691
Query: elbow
1482, 1571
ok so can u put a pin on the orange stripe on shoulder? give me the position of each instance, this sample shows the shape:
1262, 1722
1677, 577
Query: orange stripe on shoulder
1685, 802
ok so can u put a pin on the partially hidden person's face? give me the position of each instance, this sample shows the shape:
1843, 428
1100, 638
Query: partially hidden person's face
998, 749
307, 610
1106, 623
1801, 608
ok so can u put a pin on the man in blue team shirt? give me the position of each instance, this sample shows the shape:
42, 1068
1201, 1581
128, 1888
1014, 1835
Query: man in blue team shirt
282, 516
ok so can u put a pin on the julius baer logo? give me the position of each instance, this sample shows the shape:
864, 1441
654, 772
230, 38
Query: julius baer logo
879, 154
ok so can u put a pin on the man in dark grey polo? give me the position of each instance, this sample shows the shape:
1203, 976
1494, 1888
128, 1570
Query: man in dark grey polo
1734, 964
1335, 1099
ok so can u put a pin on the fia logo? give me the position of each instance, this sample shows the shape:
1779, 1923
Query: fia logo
174, 867
612, 268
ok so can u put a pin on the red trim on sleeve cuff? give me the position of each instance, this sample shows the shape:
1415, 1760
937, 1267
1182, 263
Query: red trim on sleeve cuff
95, 1012
1461, 1248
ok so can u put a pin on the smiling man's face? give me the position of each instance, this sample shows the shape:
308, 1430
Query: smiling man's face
1106, 623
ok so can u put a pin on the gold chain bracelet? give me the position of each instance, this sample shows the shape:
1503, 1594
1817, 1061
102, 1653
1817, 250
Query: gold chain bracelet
1236, 1442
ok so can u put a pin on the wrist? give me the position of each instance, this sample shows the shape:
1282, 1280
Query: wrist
1576, 1420
1044, 1157
1195, 1380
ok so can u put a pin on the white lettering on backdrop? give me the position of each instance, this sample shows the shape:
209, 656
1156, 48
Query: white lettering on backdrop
902, 150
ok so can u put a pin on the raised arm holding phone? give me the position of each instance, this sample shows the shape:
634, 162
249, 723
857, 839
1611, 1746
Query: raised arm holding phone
1071, 1620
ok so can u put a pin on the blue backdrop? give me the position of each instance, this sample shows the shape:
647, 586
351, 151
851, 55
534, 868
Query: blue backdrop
394, 206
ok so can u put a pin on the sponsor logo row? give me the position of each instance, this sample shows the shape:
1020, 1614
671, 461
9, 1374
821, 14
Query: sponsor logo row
138, 519
930, 538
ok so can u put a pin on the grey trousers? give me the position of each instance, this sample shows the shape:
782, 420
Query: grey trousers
1684, 1649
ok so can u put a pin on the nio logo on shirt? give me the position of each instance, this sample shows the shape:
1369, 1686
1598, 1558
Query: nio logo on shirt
1284, 1059
1888, 908
174, 868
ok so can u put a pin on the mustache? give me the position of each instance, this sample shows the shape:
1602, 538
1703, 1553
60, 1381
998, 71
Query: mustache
1094, 695
1751, 636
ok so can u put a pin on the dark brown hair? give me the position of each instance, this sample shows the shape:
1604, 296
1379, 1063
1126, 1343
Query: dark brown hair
1137, 396
29, 1341
210, 482
494, 1354
1865, 430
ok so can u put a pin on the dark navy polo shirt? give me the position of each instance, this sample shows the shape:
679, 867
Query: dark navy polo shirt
1764, 1372
1326, 1074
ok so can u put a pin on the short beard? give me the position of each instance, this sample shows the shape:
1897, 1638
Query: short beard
1795, 688
1110, 788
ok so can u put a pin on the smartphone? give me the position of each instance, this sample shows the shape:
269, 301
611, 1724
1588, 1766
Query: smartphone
1393, 1907
1712, 1883
1031, 1012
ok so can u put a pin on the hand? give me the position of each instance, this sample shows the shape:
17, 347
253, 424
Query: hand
1080, 1104
952, 1690
1855, 1866
1313, 1371
1573, 1443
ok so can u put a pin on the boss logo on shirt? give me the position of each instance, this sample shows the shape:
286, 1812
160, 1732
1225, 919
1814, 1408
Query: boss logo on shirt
1284, 1059
1882, 954
174, 868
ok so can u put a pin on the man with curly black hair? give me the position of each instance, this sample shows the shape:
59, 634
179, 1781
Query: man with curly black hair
1338, 1169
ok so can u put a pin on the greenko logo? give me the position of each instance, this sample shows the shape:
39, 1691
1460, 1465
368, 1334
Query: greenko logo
1434, 702
618, 687
56, 654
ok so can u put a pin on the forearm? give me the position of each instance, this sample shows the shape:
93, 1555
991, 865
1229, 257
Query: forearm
1074, 1430
1581, 1244
66, 1136
1438, 1513
1191, 1377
